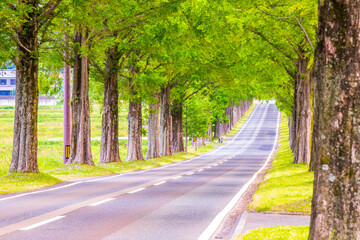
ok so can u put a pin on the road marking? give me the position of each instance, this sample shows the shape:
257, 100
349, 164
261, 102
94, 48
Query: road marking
200, 170
101, 202
209, 167
137, 190
190, 173
215, 165
41, 191
41, 223
103, 178
210, 230
177, 177
159, 183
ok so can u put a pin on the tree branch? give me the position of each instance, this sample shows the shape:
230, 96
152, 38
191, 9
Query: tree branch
272, 44
98, 68
304, 31
48, 10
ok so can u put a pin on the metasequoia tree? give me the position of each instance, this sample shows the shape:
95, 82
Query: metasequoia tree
336, 136
24, 21
284, 33
80, 148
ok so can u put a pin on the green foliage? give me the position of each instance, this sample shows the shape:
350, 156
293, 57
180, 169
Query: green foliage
197, 116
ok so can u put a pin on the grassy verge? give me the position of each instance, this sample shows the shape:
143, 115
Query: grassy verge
20, 182
53, 171
277, 233
287, 187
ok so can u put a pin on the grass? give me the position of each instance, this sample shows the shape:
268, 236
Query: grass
287, 187
276, 233
52, 171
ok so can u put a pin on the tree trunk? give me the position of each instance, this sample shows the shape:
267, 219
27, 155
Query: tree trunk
177, 127
80, 150
165, 148
209, 133
153, 150
134, 150
217, 128
303, 114
336, 136
24, 155
228, 124
293, 119
109, 151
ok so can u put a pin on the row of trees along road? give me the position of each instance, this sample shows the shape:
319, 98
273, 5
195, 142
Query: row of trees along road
191, 63
167, 55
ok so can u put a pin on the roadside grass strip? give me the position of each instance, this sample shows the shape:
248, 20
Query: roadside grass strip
287, 187
276, 233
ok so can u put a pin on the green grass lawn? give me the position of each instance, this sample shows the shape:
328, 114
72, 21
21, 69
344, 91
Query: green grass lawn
277, 233
287, 187
50, 143
52, 171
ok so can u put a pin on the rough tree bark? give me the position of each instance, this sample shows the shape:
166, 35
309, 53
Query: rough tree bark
177, 126
80, 149
165, 147
134, 150
109, 151
24, 155
336, 136
153, 149
303, 114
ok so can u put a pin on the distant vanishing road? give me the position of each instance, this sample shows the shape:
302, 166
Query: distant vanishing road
179, 201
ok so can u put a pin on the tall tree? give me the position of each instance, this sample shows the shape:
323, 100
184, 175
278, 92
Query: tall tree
336, 136
24, 20
80, 149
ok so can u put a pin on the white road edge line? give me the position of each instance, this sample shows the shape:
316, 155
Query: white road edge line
209, 231
159, 183
137, 190
41, 191
101, 202
41, 223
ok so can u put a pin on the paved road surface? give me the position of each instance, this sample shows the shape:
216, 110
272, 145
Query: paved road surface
178, 201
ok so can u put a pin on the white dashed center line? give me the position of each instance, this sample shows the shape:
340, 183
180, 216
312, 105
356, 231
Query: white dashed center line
177, 177
190, 173
101, 202
137, 190
159, 183
200, 170
42, 223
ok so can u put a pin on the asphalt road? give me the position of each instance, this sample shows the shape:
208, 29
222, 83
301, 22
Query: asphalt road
185, 200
